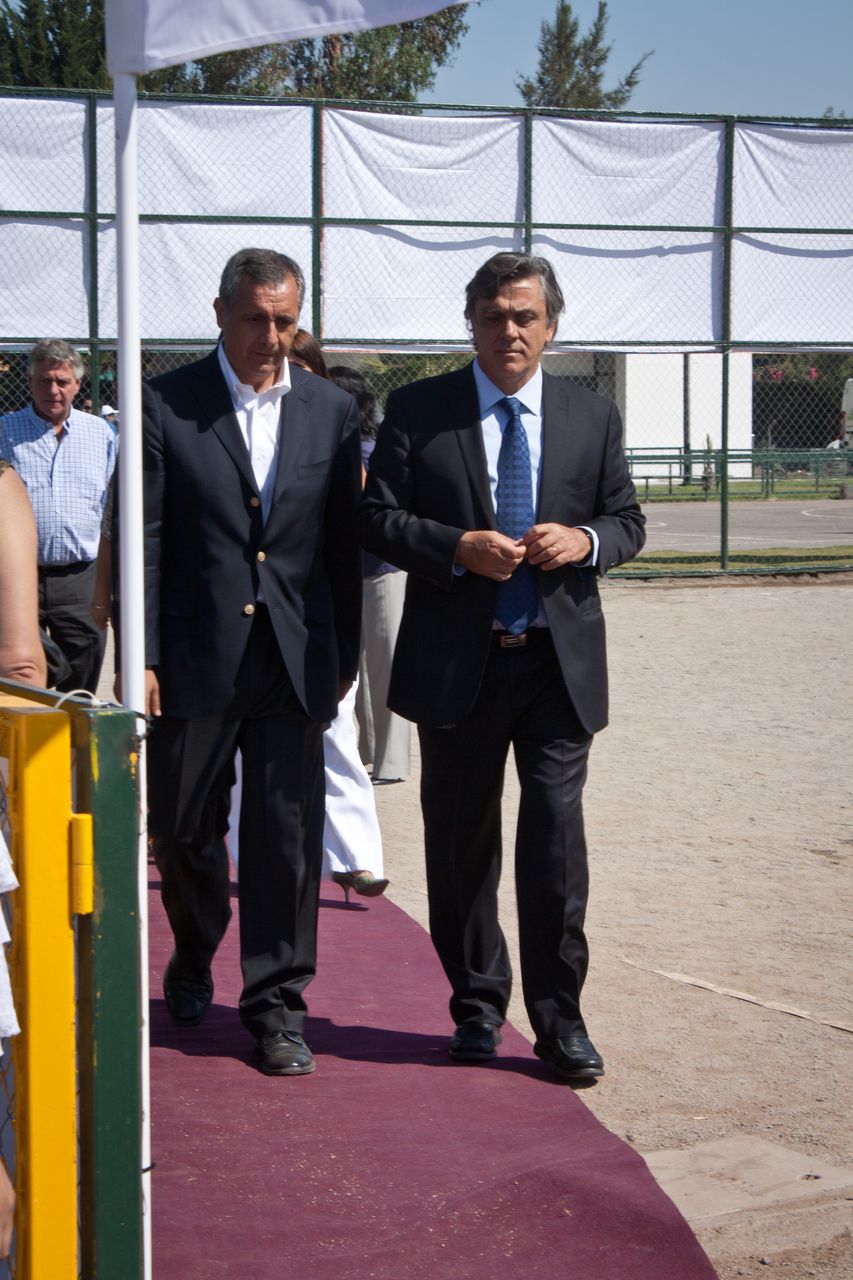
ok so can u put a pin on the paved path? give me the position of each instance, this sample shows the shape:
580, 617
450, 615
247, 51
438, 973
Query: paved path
695, 526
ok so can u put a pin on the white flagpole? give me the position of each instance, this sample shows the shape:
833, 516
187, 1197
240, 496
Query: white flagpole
131, 557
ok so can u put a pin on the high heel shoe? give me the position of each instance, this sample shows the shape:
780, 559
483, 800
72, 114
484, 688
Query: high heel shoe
365, 884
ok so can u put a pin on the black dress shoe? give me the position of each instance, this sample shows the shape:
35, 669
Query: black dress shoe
575, 1057
285, 1053
475, 1041
187, 998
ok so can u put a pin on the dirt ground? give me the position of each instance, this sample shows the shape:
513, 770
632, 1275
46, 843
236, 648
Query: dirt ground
718, 814
719, 824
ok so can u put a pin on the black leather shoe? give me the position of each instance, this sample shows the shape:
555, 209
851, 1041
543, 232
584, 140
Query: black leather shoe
475, 1041
187, 999
285, 1053
575, 1057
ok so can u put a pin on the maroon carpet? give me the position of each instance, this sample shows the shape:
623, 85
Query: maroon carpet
390, 1162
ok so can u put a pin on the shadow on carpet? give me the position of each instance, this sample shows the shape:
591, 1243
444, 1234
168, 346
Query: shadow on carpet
390, 1162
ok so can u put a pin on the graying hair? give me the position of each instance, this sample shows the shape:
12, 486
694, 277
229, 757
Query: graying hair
261, 266
55, 351
503, 267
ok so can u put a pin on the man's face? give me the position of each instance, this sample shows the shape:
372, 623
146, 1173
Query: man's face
53, 388
511, 331
258, 328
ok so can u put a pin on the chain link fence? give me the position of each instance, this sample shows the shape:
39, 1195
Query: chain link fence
704, 299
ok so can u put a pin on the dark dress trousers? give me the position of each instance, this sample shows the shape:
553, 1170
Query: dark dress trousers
428, 483
250, 625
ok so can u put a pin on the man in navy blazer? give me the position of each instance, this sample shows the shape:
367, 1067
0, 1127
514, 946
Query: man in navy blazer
478, 680
252, 477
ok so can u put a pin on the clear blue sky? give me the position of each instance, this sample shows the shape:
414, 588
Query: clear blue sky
731, 57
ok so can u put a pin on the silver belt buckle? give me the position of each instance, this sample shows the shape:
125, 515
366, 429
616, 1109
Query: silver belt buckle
508, 641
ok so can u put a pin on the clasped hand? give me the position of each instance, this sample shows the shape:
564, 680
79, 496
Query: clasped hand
496, 556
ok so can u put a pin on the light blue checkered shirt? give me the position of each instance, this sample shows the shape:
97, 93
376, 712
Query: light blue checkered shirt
67, 482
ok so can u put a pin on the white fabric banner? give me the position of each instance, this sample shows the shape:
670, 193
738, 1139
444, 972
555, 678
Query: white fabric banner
396, 166
180, 264
797, 177
146, 35
42, 146
250, 166
787, 287
192, 161
636, 286
402, 283
44, 281
638, 172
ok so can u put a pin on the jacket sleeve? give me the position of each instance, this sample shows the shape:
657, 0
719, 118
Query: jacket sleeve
618, 521
342, 552
153, 496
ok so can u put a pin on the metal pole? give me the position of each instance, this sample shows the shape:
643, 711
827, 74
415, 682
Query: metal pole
131, 563
728, 239
317, 122
92, 237
687, 469
528, 182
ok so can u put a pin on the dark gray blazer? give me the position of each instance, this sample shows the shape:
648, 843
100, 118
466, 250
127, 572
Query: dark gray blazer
207, 550
428, 483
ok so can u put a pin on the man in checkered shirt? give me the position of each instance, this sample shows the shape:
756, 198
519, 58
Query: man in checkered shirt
66, 459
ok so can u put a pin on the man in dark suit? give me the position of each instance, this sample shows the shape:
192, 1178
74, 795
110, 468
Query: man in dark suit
504, 493
251, 477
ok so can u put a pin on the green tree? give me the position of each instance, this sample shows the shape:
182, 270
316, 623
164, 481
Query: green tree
55, 44
60, 44
571, 66
393, 63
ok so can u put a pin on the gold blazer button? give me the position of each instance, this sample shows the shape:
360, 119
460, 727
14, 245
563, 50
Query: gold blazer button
248, 610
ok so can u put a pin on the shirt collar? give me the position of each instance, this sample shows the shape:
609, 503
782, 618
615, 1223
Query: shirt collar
530, 395
48, 426
243, 395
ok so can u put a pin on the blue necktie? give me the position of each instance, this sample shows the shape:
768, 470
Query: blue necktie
516, 600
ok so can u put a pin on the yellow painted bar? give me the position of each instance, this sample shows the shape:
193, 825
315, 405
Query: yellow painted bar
39, 796
82, 865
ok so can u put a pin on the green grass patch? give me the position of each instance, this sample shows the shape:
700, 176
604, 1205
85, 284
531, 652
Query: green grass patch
743, 491
764, 560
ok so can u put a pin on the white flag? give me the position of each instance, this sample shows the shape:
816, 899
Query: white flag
146, 35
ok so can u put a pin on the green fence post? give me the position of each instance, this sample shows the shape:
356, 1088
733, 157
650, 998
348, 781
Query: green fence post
110, 1015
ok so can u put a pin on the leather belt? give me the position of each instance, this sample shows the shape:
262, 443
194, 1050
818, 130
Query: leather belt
527, 639
63, 570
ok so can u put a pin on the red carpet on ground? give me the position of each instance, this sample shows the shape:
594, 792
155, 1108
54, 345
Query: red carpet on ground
390, 1162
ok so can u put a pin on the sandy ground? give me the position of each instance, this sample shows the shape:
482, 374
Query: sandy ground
719, 822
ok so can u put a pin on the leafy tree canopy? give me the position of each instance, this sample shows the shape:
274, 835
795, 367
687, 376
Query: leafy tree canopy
571, 66
53, 44
60, 44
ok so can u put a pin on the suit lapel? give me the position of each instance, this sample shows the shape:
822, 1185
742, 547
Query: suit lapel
464, 411
556, 438
294, 407
217, 409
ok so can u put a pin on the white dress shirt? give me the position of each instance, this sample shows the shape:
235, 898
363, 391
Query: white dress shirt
258, 416
494, 420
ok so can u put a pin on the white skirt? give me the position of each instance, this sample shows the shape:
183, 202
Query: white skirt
352, 840
8, 881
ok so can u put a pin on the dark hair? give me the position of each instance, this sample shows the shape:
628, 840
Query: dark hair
503, 267
261, 266
305, 349
354, 381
